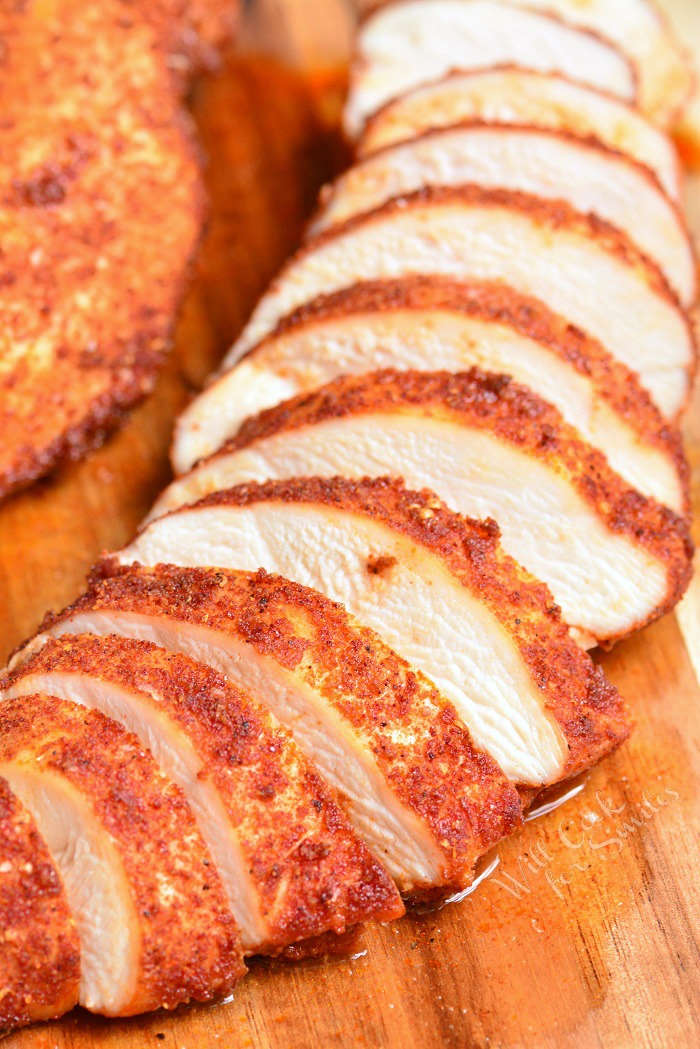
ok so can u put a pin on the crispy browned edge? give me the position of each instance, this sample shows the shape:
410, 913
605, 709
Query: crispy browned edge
553, 215
188, 32
39, 946
586, 706
515, 414
505, 67
311, 873
586, 142
375, 6
612, 380
187, 952
457, 789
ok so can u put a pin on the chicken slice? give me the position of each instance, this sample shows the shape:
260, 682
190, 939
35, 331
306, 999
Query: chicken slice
427, 802
552, 165
663, 68
149, 907
39, 946
613, 559
290, 864
412, 322
436, 587
539, 248
512, 95
414, 41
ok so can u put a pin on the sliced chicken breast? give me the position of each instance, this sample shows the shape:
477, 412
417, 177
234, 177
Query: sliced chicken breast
39, 946
539, 248
613, 559
552, 165
512, 95
435, 322
414, 41
148, 905
289, 862
663, 68
437, 587
426, 801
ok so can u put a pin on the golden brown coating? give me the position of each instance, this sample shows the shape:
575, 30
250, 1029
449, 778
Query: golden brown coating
552, 214
100, 210
191, 31
612, 381
310, 873
585, 705
188, 940
435, 769
514, 414
39, 946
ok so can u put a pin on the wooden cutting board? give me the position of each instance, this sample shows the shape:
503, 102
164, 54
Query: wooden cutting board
585, 933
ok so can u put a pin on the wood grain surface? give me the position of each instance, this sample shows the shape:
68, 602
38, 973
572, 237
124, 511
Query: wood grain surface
585, 933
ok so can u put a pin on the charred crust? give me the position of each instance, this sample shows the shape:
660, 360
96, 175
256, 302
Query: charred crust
39, 946
514, 414
460, 793
612, 380
310, 873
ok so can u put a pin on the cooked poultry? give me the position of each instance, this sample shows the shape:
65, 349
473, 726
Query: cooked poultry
538, 248
663, 69
435, 586
419, 320
511, 95
290, 865
148, 905
613, 559
95, 155
39, 947
414, 41
353, 705
551, 165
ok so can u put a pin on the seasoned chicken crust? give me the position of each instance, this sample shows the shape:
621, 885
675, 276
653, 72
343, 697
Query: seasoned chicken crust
587, 708
459, 791
100, 210
188, 945
310, 873
39, 946
612, 380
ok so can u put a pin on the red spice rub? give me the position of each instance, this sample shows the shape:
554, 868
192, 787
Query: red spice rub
310, 873
189, 943
39, 947
101, 204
